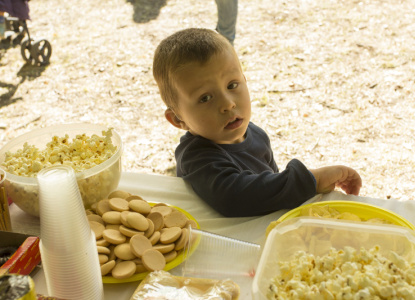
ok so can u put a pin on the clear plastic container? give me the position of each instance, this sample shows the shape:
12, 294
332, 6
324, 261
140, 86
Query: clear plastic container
2, 177
317, 236
94, 183
219, 257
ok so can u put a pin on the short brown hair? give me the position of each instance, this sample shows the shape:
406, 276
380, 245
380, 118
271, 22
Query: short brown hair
180, 48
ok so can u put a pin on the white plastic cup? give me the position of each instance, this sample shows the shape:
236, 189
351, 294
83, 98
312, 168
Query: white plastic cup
78, 256
68, 245
73, 276
63, 221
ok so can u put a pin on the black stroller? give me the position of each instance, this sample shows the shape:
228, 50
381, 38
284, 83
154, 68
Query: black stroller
33, 52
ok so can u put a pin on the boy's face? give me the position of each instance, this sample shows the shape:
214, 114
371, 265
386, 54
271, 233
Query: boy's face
213, 99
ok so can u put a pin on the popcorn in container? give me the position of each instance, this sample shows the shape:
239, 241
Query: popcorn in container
301, 240
94, 183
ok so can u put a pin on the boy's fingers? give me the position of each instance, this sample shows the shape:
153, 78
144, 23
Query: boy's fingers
351, 188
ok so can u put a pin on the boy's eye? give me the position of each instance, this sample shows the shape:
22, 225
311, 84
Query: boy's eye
232, 86
205, 98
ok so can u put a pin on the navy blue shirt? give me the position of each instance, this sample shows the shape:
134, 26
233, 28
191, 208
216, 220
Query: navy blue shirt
240, 180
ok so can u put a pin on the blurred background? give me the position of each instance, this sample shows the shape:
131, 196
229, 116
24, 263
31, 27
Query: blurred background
332, 82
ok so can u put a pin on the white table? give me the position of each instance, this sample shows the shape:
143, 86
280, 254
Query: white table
175, 191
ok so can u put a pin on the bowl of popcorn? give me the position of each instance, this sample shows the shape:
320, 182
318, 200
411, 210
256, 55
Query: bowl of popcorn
92, 150
326, 258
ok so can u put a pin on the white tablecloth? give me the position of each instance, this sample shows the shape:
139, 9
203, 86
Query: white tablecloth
175, 191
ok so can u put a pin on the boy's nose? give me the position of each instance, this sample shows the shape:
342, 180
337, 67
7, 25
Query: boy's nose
227, 103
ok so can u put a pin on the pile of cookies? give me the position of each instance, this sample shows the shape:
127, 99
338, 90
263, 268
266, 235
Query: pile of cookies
134, 236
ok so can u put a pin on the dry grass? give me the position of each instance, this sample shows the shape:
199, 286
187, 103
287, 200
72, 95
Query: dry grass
332, 82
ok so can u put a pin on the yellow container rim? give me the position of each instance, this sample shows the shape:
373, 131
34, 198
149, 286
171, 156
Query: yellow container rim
363, 210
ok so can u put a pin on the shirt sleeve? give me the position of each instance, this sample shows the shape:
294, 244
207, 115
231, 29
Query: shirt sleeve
240, 193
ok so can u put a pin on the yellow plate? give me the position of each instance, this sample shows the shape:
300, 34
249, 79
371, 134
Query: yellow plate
363, 210
174, 263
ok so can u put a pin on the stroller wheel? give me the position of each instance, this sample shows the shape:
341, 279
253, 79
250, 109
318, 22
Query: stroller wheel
25, 50
41, 52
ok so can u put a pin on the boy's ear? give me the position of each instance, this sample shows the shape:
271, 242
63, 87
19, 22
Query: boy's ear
173, 119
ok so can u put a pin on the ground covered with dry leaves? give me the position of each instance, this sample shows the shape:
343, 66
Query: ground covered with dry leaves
332, 82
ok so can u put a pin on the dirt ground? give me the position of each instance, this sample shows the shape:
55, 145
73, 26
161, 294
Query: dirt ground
332, 82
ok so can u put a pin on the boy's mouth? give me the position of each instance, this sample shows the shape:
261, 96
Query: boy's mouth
234, 124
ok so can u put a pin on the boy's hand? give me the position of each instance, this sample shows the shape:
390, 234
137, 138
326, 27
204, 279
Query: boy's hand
344, 177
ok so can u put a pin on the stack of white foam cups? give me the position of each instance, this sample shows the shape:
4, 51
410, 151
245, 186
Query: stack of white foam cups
67, 244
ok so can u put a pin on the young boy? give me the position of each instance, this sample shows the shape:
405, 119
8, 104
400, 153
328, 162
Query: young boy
226, 158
